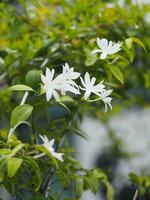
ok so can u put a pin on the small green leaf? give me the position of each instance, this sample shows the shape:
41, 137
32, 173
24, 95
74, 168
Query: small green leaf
117, 57
129, 42
20, 113
20, 88
4, 151
80, 133
13, 165
90, 60
117, 73
139, 42
67, 99
33, 78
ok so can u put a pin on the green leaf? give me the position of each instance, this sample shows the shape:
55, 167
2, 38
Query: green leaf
92, 184
33, 78
116, 58
67, 99
139, 42
63, 105
130, 53
4, 151
90, 60
34, 166
20, 113
16, 149
80, 133
13, 165
20, 88
129, 42
117, 73
5, 159
109, 192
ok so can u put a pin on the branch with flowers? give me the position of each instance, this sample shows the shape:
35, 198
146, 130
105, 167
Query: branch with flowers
45, 101
48, 161
69, 85
45, 159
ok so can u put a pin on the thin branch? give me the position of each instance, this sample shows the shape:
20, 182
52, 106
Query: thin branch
135, 195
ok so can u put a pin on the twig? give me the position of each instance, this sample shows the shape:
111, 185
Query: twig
135, 195
24, 98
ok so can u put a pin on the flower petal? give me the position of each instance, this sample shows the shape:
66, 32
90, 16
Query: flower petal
114, 49
86, 95
48, 94
102, 43
87, 78
103, 55
58, 156
51, 142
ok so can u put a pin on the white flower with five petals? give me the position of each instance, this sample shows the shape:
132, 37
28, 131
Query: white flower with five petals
106, 48
48, 144
50, 85
89, 87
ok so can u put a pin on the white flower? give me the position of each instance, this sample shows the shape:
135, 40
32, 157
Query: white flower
106, 99
65, 80
106, 48
89, 86
50, 85
48, 145
69, 73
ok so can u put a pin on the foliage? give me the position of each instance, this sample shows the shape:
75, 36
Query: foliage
37, 34
142, 182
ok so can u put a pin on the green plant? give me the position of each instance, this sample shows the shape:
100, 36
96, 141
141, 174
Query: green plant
39, 36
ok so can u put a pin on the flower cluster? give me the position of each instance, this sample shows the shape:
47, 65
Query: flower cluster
65, 82
54, 86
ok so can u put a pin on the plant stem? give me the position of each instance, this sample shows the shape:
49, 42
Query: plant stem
24, 98
135, 195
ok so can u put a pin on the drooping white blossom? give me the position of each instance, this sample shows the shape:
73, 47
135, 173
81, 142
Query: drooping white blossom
89, 87
66, 80
106, 47
50, 85
48, 144
106, 99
